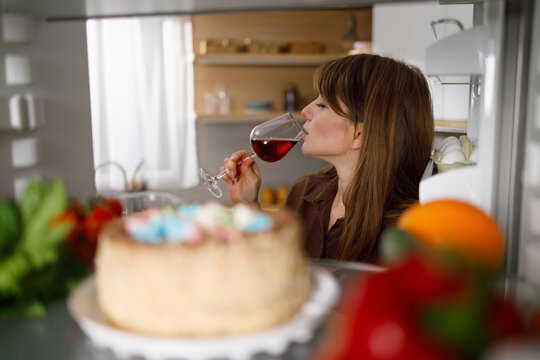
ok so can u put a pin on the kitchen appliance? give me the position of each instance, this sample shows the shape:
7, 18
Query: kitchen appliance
493, 56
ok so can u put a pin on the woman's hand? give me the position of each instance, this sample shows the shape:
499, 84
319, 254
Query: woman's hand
243, 180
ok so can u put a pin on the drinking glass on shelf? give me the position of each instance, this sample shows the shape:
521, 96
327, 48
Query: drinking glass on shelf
270, 141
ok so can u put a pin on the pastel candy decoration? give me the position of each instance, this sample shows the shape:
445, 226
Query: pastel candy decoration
209, 213
152, 232
194, 234
143, 227
225, 219
258, 222
248, 220
242, 216
147, 235
188, 222
174, 230
188, 211
141, 219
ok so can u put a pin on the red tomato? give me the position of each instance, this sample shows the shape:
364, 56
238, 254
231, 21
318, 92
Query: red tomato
503, 320
379, 314
114, 205
386, 334
93, 222
422, 280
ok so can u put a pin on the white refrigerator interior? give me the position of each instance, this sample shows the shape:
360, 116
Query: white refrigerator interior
45, 123
476, 54
44, 66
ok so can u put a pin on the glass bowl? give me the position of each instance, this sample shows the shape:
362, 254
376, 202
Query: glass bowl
138, 201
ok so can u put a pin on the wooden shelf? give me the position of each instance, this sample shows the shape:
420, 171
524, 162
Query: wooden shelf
265, 59
441, 126
451, 126
243, 117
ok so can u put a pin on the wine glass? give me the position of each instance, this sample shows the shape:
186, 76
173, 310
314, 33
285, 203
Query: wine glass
270, 141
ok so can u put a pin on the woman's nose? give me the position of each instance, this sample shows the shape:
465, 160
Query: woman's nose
305, 113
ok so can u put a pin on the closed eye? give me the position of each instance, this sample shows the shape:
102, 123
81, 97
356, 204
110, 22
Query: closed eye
321, 105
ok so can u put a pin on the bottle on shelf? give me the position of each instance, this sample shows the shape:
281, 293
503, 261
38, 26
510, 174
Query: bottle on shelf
291, 98
223, 99
349, 37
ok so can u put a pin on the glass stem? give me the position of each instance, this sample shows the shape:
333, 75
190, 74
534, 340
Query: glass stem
252, 154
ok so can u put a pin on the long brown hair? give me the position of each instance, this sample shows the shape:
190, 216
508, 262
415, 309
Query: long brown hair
392, 101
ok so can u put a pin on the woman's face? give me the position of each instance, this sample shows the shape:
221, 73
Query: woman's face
329, 135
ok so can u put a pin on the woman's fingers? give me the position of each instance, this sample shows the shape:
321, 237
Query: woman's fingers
234, 165
247, 164
243, 177
229, 166
225, 177
254, 167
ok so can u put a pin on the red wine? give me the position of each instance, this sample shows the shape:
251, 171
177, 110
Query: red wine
272, 150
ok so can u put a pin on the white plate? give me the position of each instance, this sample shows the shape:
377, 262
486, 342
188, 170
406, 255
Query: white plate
84, 308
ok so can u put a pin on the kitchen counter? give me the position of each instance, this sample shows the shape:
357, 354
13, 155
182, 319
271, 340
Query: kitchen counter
57, 336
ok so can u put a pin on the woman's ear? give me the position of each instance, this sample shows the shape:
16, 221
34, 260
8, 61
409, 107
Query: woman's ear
357, 140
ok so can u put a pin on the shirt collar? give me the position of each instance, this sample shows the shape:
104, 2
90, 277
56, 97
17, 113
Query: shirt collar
323, 192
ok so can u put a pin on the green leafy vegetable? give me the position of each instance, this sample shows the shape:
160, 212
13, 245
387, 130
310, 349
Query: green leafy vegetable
40, 267
35, 191
467, 146
11, 269
11, 226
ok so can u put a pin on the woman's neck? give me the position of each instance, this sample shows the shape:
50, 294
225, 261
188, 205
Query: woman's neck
338, 207
345, 174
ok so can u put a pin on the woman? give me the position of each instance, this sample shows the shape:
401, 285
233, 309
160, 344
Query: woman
373, 122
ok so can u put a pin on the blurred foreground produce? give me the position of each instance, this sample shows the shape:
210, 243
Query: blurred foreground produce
39, 240
437, 300
86, 221
458, 227
36, 266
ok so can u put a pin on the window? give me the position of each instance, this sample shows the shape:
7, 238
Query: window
142, 100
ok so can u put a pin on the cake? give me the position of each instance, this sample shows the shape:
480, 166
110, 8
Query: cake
201, 270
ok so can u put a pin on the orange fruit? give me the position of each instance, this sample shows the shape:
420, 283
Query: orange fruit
457, 226
268, 196
281, 194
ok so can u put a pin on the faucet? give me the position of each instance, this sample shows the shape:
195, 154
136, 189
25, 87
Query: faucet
120, 167
132, 185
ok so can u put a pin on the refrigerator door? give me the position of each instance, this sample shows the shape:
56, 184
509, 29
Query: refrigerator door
529, 256
504, 116
476, 54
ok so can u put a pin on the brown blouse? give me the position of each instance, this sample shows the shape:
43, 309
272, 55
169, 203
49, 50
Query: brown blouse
311, 198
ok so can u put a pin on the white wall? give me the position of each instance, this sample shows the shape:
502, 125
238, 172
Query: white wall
60, 77
403, 31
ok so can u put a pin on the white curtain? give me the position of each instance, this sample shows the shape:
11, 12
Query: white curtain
141, 87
